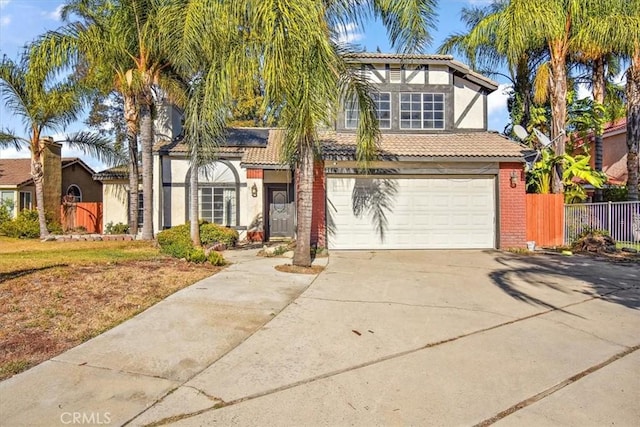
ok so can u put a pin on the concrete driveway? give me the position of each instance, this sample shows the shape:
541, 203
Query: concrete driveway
435, 338
426, 338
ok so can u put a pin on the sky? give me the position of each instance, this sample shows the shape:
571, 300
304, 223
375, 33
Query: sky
22, 21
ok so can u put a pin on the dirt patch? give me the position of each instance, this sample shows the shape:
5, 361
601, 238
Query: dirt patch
289, 268
45, 311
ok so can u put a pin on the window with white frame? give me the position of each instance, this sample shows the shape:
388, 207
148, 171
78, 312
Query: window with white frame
218, 205
25, 200
7, 199
74, 192
421, 111
382, 101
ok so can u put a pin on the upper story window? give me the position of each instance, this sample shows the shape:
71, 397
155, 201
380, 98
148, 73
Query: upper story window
382, 101
421, 111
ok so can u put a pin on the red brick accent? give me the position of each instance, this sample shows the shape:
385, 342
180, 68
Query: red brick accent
318, 217
255, 174
513, 225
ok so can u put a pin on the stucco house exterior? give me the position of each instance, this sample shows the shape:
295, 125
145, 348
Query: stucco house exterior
441, 179
67, 176
614, 151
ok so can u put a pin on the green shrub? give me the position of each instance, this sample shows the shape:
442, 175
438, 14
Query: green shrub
212, 233
197, 256
119, 228
216, 258
25, 225
6, 209
175, 242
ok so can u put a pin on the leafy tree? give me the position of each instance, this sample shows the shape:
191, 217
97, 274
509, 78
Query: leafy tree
43, 103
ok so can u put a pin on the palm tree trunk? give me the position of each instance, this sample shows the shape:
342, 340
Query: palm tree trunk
131, 118
146, 137
558, 110
304, 205
633, 126
38, 176
193, 190
599, 81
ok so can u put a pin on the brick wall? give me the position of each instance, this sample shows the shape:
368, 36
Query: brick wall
512, 213
255, 173
318, 219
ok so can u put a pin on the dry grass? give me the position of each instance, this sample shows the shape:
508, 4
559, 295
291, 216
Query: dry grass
56, 295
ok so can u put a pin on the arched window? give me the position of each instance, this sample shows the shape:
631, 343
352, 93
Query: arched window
74, 191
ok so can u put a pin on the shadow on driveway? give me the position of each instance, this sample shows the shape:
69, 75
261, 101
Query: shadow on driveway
609, 281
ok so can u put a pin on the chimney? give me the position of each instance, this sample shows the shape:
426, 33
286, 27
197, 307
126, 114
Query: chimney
52, 177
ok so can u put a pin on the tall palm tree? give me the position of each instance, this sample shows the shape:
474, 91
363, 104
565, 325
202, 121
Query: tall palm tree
523, 25
29, 94
116, 46
621, 30
484, 53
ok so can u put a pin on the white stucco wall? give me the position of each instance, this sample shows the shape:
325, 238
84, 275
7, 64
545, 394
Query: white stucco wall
438, 74
175, 179
464, 95
114, 202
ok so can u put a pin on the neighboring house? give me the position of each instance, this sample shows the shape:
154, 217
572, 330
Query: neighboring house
73, 177
614, 151
441, 180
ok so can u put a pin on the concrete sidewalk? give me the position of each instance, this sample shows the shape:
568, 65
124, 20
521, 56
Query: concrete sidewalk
379, 338
119, 374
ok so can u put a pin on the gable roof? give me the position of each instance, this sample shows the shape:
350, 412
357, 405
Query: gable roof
469, 146
400, 58
17, 172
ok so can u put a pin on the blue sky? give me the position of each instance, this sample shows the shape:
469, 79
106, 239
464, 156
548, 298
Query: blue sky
21, 21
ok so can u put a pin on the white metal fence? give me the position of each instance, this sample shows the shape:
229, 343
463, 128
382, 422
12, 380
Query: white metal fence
620, 219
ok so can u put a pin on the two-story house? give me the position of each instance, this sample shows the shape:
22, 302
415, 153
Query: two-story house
441, 179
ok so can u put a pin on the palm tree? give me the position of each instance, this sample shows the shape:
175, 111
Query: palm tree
483, 52
116, 47
28, 93
522, 26
621, 30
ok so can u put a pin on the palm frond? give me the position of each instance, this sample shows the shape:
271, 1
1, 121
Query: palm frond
95, 145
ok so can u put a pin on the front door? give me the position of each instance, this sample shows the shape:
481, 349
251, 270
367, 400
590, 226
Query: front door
281, 212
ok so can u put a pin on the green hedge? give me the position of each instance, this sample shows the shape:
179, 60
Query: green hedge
27, 226
176, 241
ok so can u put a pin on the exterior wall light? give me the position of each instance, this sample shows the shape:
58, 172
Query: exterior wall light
254, 190
514, 179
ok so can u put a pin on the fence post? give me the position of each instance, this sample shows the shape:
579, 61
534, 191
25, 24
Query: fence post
610, 230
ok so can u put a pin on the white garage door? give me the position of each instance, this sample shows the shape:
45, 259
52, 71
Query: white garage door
403, 213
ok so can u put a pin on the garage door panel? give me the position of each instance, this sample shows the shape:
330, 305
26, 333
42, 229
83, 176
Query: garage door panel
417, 213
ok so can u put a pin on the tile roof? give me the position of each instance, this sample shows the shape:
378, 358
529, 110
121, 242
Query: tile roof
615, 126
266, 156
341, 146
236, 140
365, 57
15, 171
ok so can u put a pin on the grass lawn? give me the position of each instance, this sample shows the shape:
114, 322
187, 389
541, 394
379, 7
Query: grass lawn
56, 295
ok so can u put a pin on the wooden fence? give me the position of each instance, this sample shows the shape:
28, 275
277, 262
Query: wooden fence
545, 219
82, 214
